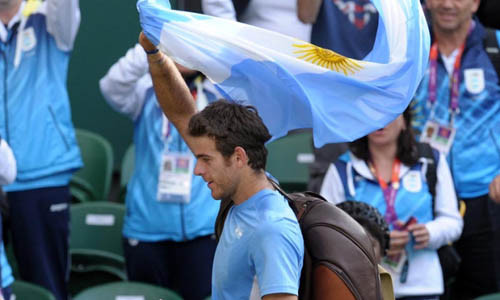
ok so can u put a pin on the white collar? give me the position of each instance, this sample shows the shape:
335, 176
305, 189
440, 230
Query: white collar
362, 168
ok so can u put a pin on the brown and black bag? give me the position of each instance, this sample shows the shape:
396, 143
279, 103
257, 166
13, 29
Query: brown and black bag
339, 261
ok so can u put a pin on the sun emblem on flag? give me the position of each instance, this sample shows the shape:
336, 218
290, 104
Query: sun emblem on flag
327, 59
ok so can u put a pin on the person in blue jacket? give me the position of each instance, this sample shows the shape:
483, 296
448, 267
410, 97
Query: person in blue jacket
457, 108
384, 170
36, 39
169, 225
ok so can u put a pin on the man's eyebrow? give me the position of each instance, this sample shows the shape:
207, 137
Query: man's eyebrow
202, 156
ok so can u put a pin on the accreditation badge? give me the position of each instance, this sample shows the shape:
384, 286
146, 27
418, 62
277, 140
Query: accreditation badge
474, 80
412, 182
28, 39
438, 136
174, 182
394, 264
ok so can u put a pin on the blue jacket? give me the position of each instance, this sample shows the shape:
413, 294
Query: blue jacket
35, 117
6, 276
474, 158
128, 89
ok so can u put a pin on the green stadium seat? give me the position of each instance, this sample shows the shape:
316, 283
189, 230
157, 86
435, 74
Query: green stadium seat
495, 296
96, 244
127, 168
27, 291
289, 158
127, 290
92, 182
97, 226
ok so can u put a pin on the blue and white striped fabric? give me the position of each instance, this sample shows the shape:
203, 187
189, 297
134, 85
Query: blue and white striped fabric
295, 84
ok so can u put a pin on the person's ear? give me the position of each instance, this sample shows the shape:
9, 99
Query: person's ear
475, 6
240, 156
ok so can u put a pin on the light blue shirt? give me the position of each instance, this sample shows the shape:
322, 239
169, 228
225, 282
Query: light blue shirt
261, 239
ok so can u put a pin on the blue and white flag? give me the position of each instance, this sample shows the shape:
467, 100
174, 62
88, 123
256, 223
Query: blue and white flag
295, 84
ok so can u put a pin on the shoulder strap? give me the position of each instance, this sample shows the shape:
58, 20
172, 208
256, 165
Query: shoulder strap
341, 167
240, 6
432, 155
225, 205
492, 48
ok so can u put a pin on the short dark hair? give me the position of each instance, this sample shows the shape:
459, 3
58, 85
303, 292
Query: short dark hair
407, 145
371, 220
232, 124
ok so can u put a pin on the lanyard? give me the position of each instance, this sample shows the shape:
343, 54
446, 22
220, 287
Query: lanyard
454, 79
389, 191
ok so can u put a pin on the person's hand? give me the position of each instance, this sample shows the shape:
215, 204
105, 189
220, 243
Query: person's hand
420, 234
146, 43
398, 241
495, 189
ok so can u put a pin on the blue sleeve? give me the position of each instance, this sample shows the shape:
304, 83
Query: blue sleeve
277, 253
7, 278
498, 37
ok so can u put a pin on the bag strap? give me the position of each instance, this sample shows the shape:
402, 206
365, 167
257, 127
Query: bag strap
225, 205
341, 167
492, 48
240, 7
432, 155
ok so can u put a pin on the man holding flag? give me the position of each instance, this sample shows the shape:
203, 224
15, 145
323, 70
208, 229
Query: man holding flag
292, 84
261, 249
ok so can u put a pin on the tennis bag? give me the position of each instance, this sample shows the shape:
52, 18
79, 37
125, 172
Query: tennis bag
339, 261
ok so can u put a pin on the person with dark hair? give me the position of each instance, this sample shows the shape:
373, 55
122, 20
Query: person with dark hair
372, 221
384, 169
168, 232
261, 249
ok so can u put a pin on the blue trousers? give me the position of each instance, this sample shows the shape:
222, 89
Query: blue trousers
6, 291
40, 236
185, 267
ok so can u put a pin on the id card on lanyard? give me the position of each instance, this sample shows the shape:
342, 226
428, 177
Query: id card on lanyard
389, 191
441, 136
175, 176
176, 167
394, 264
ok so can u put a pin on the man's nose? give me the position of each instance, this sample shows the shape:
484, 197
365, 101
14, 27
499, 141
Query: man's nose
198, 169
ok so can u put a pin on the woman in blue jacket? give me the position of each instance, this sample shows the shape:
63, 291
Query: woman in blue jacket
383, 169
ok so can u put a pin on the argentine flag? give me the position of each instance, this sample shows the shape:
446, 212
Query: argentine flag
295, 84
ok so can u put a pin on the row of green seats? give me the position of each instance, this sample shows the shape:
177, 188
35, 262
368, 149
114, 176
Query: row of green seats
22, 290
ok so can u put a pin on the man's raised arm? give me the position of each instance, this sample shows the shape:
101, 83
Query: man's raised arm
171, 90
